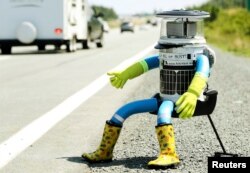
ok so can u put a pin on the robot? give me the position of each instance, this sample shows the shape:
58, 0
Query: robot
184, 62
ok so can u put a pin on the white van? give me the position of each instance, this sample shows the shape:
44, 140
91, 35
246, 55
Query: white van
43, 22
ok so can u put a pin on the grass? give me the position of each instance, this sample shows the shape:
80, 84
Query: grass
231, 31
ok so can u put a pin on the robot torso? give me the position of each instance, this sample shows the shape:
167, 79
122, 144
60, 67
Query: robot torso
177, 68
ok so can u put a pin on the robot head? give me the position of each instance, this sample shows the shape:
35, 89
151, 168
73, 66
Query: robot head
181, 27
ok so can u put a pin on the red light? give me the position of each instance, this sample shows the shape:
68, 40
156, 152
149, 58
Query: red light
58, 31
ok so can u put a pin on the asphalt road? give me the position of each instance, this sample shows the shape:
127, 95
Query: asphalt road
32, 84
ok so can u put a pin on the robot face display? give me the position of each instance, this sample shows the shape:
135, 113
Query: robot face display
181, 27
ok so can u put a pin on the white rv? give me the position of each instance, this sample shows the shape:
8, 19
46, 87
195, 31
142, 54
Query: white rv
43, 22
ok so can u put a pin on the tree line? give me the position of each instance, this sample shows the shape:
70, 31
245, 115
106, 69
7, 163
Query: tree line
108, 13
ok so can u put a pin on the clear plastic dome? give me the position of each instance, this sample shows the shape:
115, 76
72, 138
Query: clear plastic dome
182, 30
181, 27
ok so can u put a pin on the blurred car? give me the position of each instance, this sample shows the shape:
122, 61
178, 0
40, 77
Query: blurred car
127, 26
95, 29
154, 22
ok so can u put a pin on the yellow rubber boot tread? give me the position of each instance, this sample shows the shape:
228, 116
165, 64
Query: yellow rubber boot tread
104, 152
167, 156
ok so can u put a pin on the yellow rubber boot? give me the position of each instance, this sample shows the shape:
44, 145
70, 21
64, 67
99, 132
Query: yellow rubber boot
167, 157
104, 152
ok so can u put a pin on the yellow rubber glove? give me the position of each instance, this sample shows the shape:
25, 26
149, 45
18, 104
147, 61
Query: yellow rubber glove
187, 102
118, 79
186, 105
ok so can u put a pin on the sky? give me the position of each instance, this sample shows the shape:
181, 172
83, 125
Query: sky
124, 7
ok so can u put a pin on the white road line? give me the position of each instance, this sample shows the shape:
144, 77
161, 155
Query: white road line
17, 143
4, 58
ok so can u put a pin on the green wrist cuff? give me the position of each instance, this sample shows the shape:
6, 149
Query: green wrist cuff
135, 70
144, 65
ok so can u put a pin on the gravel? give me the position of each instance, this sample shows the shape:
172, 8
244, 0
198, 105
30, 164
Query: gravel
195, 139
